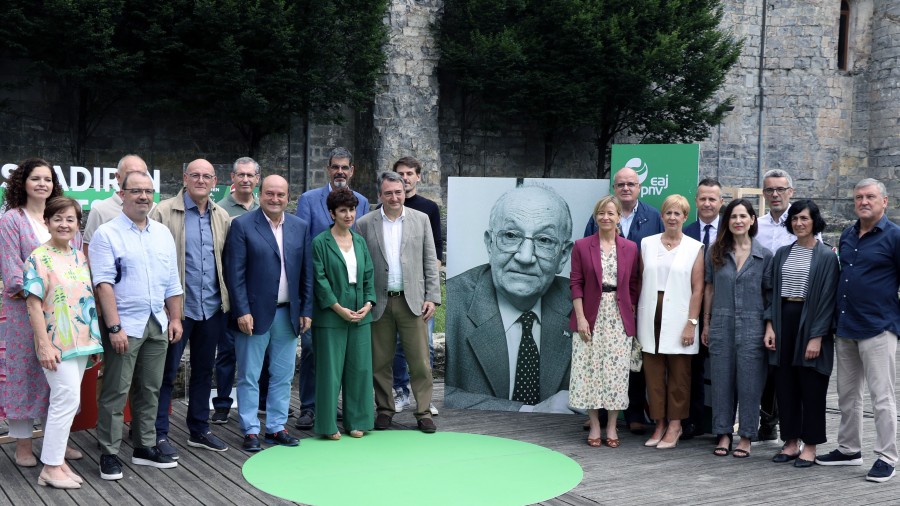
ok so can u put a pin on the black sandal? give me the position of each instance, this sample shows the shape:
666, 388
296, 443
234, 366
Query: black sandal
722, 451
740, 453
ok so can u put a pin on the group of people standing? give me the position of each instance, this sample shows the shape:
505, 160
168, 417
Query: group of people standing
238, 281
768, 300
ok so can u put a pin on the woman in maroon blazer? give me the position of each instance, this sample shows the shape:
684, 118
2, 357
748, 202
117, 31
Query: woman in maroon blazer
605, 283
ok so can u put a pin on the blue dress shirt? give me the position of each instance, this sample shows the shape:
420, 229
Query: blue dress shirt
141, 266
867, 303
201, 283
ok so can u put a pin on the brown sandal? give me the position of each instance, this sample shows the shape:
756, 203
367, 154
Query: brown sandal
612, 443
595, 442
356, 433
333, 437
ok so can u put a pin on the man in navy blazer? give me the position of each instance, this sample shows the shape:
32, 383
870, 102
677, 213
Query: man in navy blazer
639, 220
311, 207
709, 201
269, 275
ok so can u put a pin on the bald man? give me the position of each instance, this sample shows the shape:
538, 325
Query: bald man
514, 303
108, 208
199, 227
269, 275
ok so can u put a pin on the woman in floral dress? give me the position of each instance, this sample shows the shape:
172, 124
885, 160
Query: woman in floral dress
24, 393
605, 285
63, 315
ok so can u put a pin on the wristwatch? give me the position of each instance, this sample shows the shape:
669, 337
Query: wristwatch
114, 328
694, 321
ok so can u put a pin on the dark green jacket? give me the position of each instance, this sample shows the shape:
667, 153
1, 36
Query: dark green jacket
331, 283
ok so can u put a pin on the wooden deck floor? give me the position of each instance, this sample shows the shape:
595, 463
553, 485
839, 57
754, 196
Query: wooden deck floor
631, 474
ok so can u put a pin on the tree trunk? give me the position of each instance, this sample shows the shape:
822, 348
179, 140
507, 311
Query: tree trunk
549, 155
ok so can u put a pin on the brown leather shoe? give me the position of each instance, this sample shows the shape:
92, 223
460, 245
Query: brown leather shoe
426, 425
382, 421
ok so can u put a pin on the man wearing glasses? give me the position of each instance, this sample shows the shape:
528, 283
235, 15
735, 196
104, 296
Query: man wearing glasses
199, 227
311, 208
508, 343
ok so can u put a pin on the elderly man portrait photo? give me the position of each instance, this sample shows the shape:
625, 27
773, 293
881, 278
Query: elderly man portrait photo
508, 344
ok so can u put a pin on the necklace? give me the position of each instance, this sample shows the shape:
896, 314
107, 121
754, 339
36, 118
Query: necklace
669, 244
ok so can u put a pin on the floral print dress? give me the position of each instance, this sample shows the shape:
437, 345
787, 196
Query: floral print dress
600, 368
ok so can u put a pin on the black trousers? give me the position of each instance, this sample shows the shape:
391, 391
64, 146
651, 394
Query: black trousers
801, 391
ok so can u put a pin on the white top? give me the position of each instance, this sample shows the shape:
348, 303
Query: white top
40, 229
773, 234
676, 301
513, 328
350, 260
393, 235
664, 259
795, 272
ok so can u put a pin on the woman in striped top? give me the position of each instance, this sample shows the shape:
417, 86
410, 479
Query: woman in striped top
799, 333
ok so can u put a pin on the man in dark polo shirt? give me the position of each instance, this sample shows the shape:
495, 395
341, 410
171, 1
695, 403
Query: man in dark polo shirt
410, 170
868, 323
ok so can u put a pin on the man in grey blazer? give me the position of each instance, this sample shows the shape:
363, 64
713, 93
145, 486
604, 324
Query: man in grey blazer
488, 333
407, 285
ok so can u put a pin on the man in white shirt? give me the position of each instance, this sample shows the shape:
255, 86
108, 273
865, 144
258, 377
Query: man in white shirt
777, 190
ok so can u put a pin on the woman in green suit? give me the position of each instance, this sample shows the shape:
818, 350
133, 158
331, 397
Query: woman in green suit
344, 295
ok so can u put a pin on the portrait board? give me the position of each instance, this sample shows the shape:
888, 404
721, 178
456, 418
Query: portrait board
496, 271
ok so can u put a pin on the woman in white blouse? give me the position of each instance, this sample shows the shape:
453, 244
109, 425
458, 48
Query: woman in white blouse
668, 312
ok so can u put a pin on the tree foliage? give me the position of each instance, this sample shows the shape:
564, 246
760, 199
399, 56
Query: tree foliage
250, 63
646, 68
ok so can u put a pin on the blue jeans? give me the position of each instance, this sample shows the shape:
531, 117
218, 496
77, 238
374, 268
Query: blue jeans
401, 371
202, 336
280, 344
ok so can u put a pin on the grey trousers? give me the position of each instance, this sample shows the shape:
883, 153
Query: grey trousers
141, 366
869, 361
737, 364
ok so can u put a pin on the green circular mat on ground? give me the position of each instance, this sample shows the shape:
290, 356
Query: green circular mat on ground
408, 467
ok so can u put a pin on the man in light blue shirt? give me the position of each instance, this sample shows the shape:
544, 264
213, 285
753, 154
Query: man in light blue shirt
135, 274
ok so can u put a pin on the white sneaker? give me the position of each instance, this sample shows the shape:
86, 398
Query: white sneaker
398, 401
433, 410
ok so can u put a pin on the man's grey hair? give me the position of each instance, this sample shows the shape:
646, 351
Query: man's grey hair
340, 152
779, 173
496, 211
244, 160
388, 175
121, 164
871, 182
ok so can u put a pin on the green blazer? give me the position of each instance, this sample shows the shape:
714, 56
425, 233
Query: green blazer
331, 283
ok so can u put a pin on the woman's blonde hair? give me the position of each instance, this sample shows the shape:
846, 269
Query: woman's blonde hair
602, 203
675, 200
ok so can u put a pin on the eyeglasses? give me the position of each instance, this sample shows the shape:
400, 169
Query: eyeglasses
626, 185
243, 175
509, 241
139, 191
196, 177
772, 191
344, 168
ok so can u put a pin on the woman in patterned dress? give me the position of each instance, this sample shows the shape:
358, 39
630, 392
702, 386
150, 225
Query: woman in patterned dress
24, 393
63, 317
605, 285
